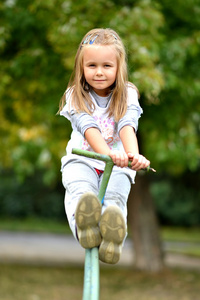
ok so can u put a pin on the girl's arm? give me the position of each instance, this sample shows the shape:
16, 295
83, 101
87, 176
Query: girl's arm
99, 145
96, 141
120, 158
130, 143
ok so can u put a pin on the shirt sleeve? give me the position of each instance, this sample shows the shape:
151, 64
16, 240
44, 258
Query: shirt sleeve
81, 121
67, 110
133, 112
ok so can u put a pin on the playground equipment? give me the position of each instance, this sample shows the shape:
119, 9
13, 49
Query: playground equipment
91, 268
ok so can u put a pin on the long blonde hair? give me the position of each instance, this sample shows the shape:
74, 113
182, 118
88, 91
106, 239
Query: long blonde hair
79, 88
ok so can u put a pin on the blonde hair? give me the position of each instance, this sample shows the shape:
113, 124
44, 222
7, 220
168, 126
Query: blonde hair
79, 88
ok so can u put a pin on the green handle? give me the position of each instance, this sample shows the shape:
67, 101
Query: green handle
105, 158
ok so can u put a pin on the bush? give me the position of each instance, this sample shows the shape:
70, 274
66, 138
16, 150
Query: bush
177, 200
30, 198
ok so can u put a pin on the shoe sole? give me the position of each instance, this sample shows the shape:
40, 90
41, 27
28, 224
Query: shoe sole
87, 216
113, 232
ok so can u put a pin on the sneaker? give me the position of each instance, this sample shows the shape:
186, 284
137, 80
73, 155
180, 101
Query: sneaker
113, 232
87, 216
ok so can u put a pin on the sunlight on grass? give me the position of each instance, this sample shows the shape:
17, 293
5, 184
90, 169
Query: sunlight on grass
35, 225
181, 234
191, 251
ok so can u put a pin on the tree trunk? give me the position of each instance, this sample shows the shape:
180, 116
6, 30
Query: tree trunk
144, 227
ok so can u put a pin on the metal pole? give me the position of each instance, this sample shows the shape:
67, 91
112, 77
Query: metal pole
106, 177
95, 278
87, 275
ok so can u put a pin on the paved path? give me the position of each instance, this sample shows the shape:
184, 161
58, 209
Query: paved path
54, 249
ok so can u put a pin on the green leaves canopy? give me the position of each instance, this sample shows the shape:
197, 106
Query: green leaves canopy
38, 42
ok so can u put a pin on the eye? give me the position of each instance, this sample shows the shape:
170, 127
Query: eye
107, 66
91, 65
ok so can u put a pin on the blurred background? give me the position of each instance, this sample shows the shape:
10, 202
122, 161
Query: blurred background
38, 43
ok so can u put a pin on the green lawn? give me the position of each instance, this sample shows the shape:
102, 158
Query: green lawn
181, 234
34, 225
48, 283
191, 235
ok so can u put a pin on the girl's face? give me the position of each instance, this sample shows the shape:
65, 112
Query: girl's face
100, 68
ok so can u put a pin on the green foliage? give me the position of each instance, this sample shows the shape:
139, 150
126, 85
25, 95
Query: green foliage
30, 198
29, 94
178, 200
173, 138
38, 43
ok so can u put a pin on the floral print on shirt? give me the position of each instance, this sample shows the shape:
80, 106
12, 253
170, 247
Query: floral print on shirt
108, 131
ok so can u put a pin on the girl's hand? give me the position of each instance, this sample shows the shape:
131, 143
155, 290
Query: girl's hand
119, 158
138, 161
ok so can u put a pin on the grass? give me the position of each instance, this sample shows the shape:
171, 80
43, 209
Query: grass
34, 225
191, 235
190, 251
42, 283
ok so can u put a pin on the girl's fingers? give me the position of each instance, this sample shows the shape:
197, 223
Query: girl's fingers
139, 162
119, 158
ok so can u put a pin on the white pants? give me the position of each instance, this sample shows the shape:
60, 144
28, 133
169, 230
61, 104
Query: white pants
79, 177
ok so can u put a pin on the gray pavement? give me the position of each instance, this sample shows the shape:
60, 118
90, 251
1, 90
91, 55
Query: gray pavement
54, 249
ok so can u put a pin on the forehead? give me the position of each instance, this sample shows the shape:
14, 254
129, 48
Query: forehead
99, 53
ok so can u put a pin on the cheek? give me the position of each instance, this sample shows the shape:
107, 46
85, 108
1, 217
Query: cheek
88, 73
85, 74
113, 75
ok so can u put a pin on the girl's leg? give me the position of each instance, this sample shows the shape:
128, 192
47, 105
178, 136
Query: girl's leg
117, 192
78, 178
113, 221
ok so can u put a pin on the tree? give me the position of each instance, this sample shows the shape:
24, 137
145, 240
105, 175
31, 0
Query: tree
144, 227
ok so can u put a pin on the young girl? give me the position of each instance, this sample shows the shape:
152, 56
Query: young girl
103, 109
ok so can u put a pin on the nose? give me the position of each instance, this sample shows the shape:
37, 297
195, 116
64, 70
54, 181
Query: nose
99, 71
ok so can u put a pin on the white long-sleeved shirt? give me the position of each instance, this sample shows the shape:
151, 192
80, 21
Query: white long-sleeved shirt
107, 126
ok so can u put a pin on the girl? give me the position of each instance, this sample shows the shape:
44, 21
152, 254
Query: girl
103, 109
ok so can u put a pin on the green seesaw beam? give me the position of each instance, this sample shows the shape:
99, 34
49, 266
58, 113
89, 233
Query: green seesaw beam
91, 268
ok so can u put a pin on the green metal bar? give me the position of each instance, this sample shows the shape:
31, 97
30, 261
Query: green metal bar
106, 177
87, 275
95, 278
102, 157
90, 154
91, 274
